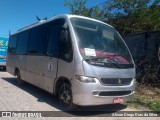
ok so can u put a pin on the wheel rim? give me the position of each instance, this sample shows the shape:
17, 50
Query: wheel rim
65, 95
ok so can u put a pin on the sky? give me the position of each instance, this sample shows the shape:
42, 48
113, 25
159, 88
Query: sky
16, 14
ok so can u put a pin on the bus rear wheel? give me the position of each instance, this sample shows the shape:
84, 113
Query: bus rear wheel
66, 98
19, 80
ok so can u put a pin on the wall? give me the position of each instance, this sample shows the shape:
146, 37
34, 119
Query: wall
144, 46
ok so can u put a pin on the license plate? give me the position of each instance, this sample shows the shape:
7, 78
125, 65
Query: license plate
118, 100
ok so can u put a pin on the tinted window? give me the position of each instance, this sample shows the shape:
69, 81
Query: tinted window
12, 44
53, 44
66, 52
22, 43
38, 40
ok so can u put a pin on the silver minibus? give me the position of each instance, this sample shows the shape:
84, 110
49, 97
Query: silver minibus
81, 60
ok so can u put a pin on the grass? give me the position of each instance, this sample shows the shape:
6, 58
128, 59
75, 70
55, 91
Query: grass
145, 98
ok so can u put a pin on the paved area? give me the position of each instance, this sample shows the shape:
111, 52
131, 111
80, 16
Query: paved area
30, 98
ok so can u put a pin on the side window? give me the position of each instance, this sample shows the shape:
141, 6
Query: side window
38, 40
22, 43
66, 52
54, 39
12, 44
53, 44
59, 44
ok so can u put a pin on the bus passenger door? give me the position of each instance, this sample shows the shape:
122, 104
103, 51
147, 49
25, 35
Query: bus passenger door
51, 61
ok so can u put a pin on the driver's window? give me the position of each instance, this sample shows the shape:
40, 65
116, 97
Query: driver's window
66, 52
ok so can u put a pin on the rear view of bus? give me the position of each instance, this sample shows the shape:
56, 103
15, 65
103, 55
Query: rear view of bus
3, 52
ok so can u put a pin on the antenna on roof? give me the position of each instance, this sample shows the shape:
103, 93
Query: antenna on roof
41, 19
38, 18
45, 18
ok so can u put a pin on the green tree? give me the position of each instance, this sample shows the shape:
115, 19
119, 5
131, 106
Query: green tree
127, 16
79, 7
131, 16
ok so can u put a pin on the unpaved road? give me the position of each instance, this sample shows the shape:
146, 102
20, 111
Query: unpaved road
30, 98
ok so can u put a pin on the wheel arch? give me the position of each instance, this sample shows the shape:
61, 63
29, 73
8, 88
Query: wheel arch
60, 81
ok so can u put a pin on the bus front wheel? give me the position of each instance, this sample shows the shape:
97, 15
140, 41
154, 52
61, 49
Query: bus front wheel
66, 98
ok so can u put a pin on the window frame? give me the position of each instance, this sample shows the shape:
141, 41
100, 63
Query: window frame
9, 51
39, 28
27, 42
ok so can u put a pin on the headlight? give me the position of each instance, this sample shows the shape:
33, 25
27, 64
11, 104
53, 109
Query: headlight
134, 80
85, 79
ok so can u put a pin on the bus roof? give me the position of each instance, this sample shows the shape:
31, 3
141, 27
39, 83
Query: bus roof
56, 17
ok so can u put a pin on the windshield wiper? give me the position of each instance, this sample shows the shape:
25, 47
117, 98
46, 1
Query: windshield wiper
114, 61
90, 59
123, 57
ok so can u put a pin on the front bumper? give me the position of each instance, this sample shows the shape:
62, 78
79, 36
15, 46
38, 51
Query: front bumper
86, 94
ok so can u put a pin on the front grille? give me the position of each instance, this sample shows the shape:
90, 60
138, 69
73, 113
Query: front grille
116, 81
114, 93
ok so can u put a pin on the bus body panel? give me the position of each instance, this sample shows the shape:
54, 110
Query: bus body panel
38, 70
102, 72
84, 93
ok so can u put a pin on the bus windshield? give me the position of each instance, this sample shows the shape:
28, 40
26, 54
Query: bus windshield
100, 44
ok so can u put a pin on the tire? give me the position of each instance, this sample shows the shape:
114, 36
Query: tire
66, 98
19, 80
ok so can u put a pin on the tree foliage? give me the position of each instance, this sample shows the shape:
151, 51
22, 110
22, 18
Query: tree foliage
79, 7
127, 16
131, 16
